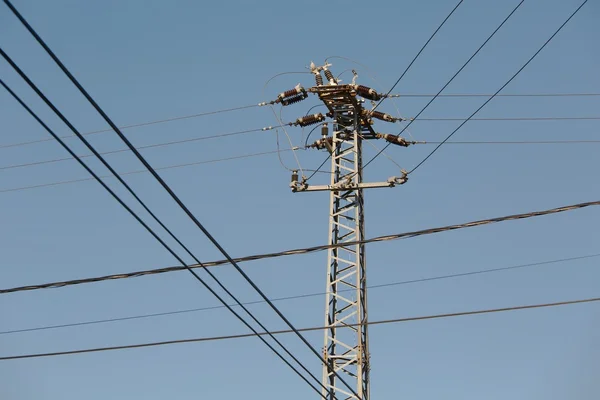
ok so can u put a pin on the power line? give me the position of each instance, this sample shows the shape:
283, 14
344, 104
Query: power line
451, 79
519, 142
316, 328
160, 121
302, 296
164, 144
259, 154
177, 200
239, 157
305, 250
499, 90
511, 119
150, 146
499, 95
418, 54
167, 247
411, 95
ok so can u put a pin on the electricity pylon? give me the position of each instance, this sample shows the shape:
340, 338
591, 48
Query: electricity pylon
346, 347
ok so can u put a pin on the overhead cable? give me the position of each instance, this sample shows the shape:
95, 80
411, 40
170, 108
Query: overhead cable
300, 296
410, 95
418, 54
306, 250
190, 164
160, 121
176, 199
498, 95
316, 328
452, 78
149, 146
167, 247
502, 87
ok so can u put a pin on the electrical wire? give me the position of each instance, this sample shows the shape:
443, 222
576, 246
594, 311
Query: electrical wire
502, 87
261, 104
281, 124
382, 152
231, 158
512, 119
318, 168
174, 196
307, 250
499, 95
160, 121
311, 132
150, 146
319, 328
372, 77
520, 142
419, 53
451, 79
167, 247
164, 144
408, 95
302, 296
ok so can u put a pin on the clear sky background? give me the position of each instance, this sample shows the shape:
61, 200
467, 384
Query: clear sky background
150, 60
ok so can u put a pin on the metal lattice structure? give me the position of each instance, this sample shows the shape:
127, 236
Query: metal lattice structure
346, 347
346, 344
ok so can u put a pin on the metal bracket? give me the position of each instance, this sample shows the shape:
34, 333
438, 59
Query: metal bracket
304, 187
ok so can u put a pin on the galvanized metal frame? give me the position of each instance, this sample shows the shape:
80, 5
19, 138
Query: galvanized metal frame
346, 348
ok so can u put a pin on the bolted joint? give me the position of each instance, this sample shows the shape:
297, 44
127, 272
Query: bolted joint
295, 185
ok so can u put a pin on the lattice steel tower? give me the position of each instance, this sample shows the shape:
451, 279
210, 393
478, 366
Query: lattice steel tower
346, 347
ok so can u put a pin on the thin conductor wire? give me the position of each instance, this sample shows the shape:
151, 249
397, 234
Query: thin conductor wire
419, 53
319, 328
307, 250
301, 296
453, 76
160, 121
498, 95
185, 165
371, 75
281, 124
502, 87
167, 247
150, 146
175, 198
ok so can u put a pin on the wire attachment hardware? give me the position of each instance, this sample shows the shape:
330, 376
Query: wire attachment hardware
398, 180
381, 116
309, 120
323, 143
393, 139
298, 93
295, 185
367, 92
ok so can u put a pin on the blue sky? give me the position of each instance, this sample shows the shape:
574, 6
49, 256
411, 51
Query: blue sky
151, 60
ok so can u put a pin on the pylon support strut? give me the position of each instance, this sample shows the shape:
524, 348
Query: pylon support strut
346, 341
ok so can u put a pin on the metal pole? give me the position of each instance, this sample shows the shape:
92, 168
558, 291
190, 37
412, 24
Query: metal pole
346, 341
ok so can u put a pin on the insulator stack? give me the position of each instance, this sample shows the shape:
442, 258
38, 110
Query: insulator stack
329, 76
318, 79
309, 120
293, 99
381, 116
324, 143
292, 96
397, 140
368, 93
